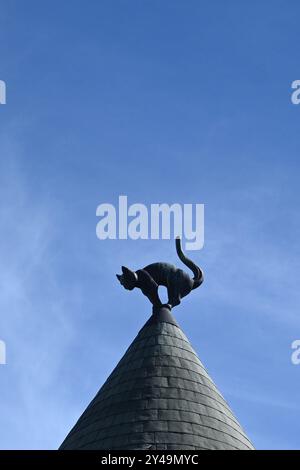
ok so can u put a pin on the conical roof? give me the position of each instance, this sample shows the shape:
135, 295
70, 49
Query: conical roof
159, 396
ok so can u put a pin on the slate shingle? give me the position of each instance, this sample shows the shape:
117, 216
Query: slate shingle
159, 396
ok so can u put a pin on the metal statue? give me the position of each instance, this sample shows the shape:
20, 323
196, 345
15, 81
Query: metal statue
178, 283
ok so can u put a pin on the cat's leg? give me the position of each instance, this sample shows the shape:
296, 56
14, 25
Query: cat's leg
148, 286
174, 301
174, 295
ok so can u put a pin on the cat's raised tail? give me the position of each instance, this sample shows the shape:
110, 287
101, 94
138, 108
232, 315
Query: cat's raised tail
198, 273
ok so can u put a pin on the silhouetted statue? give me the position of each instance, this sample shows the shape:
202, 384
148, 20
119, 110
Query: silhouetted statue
178, 283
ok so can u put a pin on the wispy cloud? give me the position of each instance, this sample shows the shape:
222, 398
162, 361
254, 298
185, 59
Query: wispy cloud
33, 309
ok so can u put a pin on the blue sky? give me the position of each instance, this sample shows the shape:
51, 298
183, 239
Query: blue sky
168, 101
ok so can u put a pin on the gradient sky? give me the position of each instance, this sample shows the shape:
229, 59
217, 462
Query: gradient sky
164, 101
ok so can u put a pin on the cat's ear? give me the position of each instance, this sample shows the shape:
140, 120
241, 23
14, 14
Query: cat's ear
126, 270
119, 277
131, 275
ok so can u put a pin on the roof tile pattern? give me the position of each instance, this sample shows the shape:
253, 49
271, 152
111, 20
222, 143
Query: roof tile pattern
158, 397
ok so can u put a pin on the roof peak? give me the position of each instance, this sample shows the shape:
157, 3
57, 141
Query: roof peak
161, 315
159, 396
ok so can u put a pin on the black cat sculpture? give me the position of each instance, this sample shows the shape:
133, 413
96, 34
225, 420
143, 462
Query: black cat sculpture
178, 283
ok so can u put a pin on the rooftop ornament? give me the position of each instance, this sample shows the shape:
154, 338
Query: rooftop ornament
178, 283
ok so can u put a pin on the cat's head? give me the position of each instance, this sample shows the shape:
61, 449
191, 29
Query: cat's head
128, 279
